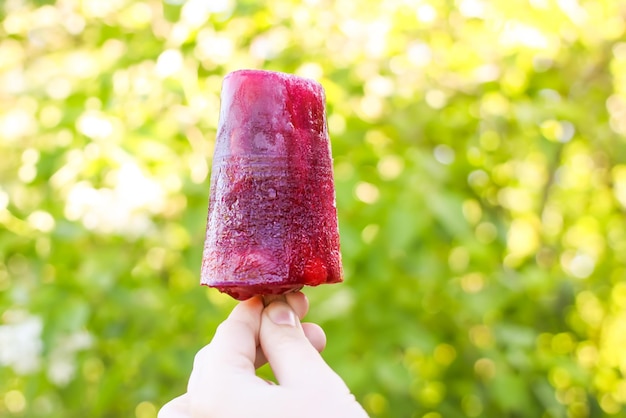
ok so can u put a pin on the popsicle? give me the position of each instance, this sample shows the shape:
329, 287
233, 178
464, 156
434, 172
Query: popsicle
272, 220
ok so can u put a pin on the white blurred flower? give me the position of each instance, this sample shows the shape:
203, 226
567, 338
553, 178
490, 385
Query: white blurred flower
95, 125
20, 342
169, 62
123, 209
62, 362
580, 265
16, 123
61, 370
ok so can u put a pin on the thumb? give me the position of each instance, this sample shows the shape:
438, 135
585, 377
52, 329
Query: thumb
294, 361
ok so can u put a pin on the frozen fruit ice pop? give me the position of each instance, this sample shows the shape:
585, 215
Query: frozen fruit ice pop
272, 221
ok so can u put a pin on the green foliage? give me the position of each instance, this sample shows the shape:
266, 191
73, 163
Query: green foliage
480, 166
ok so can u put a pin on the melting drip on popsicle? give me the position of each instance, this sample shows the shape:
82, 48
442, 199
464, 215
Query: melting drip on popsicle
272, 221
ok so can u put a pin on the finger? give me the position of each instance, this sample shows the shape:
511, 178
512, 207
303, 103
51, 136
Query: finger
312, 332
294, 360
316, 336
176, 408
297, 300
299, 303
233, 348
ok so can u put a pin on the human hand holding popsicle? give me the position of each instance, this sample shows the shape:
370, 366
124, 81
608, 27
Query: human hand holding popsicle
223, 382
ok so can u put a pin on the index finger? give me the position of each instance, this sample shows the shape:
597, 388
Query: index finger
233, 348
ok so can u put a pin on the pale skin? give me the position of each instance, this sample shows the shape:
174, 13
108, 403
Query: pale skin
224, 384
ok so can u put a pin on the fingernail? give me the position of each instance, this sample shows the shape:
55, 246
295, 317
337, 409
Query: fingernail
281, 314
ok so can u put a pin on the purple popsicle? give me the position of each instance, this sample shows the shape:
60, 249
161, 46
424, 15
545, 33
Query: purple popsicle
272, 221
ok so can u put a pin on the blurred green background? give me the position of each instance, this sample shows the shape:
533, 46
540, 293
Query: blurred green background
480, 163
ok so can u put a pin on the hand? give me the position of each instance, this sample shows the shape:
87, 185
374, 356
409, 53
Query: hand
223, 382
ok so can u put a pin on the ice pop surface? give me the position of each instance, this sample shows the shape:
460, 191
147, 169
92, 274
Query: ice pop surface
272, 220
